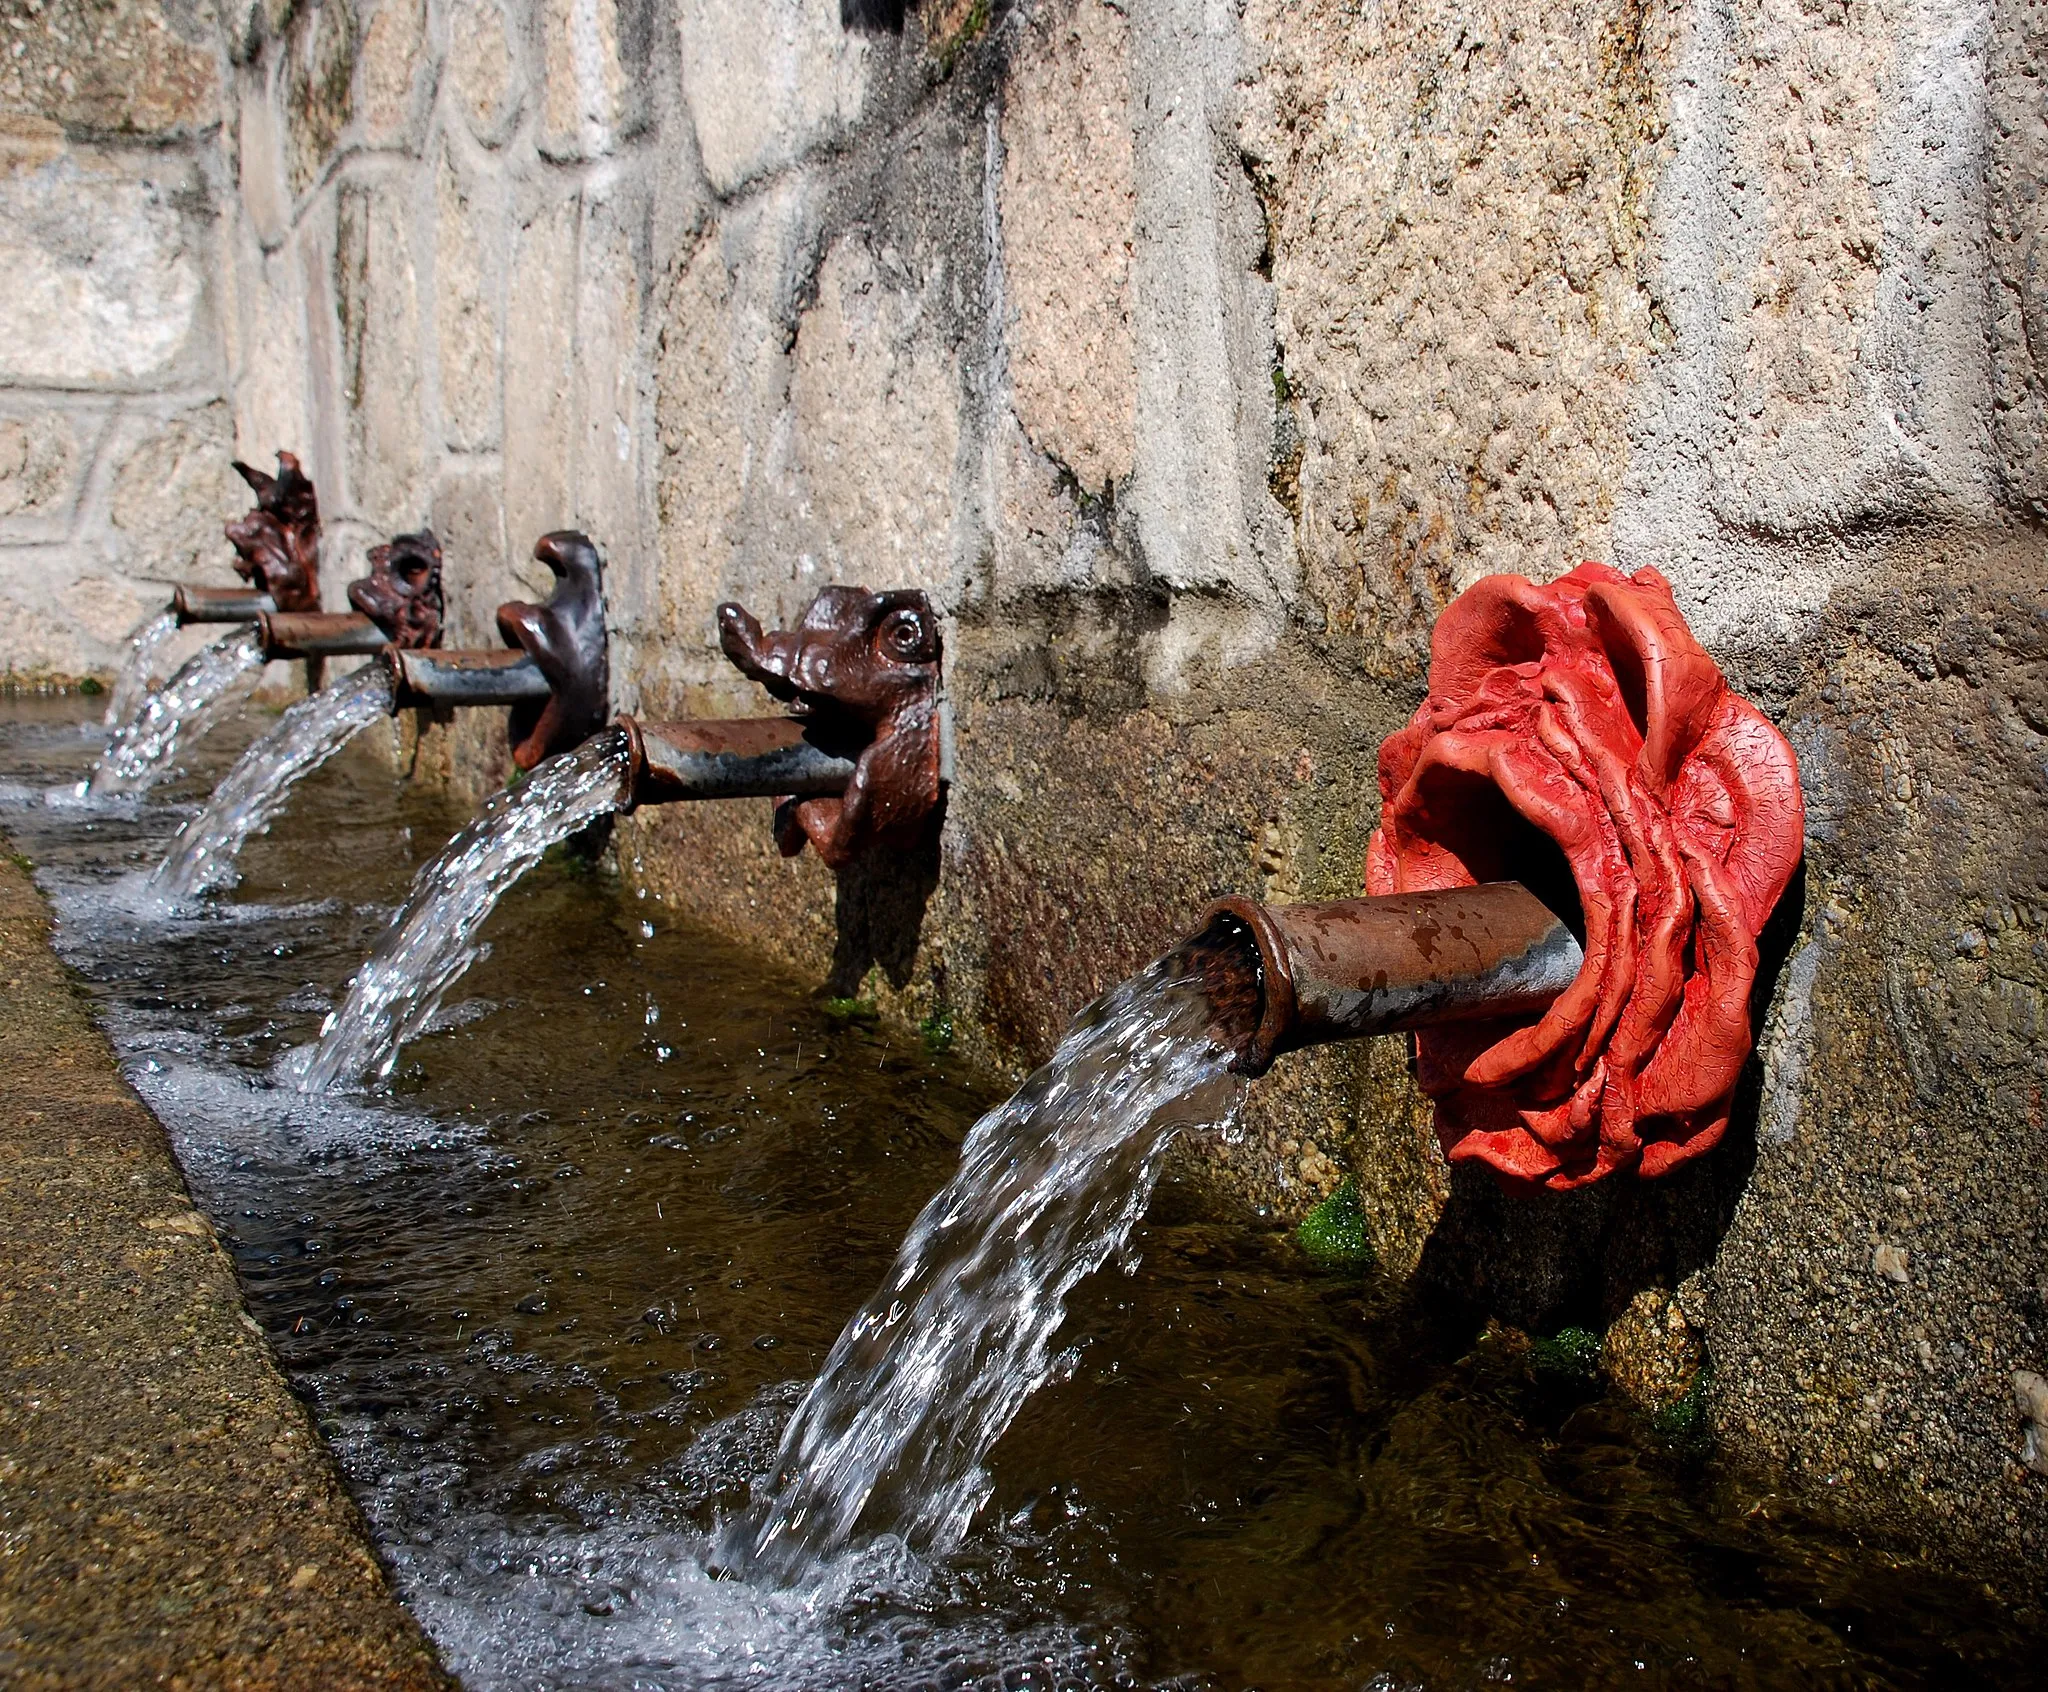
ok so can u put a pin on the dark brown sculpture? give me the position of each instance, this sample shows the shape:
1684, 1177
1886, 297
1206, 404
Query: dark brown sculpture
566, 638
278, 541
402, 592
862, 670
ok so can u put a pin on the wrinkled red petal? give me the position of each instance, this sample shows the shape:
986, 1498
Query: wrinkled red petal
1587, 711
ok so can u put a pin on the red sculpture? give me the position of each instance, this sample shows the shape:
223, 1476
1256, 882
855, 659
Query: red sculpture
862, 670
278, 542
402, 592
1583, 719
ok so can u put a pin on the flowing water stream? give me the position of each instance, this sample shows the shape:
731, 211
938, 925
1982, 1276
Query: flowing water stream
930, 1374
260, 785
141, 754
433, 940
138, 673
556, 1290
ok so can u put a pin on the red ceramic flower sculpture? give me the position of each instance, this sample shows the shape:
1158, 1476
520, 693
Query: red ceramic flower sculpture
1582, 720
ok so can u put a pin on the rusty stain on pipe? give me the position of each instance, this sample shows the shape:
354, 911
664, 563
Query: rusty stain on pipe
318, 634
1352, 967
434, 678
735, 758
193, 604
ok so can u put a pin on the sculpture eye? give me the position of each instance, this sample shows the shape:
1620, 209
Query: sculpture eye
905, 637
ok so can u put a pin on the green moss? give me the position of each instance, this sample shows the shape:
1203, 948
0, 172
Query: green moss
1569, 1354
851, 1010
1334, 1232
1282, 388
972, 28
937, 1030
1684, 1423
91, 687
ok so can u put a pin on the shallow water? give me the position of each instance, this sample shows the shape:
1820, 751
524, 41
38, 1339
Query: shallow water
554, 1293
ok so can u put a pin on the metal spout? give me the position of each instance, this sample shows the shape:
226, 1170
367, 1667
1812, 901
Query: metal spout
1303, 975
194, 604
738, 758
446, 680
318, 634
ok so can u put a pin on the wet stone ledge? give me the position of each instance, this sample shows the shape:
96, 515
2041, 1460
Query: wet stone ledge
168, 1515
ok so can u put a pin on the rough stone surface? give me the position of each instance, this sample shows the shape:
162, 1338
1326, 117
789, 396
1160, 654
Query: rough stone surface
106, 67
483, 69
469, 293
766, 84
169, 1511
1069, 199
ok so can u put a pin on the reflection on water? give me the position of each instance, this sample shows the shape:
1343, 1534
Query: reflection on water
556, 1290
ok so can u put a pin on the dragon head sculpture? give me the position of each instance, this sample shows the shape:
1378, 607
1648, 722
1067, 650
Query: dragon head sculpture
277, 542
862, 669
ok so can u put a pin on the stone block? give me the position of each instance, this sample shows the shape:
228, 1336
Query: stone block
107, 67
539, 404
317, 83
875, 400
42, 462
172, 490
468, 517
768, 83
483, 69
586, 97
266, 201
1068, 205
105, 258
1460, 310
272, 369
391, 88
377, 309
1201, 319
469, 295
609, 299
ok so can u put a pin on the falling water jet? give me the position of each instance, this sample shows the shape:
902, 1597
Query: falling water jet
140, 755
138, 674
260, 785
433, 939
926, 1378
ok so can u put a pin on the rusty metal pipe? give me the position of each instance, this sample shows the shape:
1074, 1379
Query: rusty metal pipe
735, 758
193, 604
463, 679
318, 634
1385, 965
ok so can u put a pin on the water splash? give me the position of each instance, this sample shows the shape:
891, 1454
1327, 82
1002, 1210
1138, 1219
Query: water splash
927, 1377
260, 784
433, 939
138, 673
140, 755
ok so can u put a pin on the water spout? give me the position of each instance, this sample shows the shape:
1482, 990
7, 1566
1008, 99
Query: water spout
192, 603
740, 758
1314, 973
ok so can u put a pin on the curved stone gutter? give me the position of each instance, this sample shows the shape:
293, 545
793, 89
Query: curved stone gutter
168, 1515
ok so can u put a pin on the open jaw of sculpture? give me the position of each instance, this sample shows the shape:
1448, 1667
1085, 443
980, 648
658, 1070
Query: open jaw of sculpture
1576, 737
277, 544
402, 592
861, 670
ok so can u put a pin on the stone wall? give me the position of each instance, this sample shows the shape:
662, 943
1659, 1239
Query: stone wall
1192, 356
114, 373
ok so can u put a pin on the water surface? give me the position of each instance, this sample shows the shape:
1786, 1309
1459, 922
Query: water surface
555, 1290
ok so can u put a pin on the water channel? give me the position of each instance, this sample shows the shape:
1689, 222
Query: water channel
555, 1287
